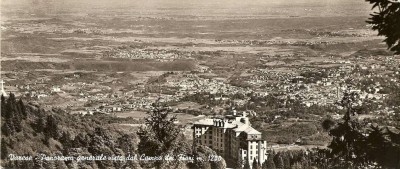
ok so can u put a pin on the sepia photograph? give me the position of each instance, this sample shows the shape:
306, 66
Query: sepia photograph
200, 84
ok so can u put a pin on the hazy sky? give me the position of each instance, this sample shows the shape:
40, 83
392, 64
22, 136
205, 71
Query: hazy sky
200, 7
185, 3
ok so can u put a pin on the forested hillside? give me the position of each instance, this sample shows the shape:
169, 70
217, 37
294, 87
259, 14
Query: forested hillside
29, 130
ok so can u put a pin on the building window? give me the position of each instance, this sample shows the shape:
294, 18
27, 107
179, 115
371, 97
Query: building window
251, 152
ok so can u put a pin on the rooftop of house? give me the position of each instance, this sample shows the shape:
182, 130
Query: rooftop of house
252, 131
207, 122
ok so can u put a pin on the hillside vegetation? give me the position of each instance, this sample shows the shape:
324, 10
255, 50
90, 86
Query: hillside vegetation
29, 130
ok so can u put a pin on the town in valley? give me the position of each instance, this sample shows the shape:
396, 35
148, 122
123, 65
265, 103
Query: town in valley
266, 73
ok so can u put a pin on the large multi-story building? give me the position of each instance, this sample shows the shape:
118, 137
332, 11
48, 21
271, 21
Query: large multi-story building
232, 137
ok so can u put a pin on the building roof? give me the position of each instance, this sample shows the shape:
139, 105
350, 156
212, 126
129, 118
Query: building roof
251, 130
208, 122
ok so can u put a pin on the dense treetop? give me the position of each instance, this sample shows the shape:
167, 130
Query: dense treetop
386, 19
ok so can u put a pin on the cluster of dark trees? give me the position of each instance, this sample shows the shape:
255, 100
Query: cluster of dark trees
295, 159
268, 102
13, 112
393, 98
386, 21
356, 145
31, 131
162, 137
